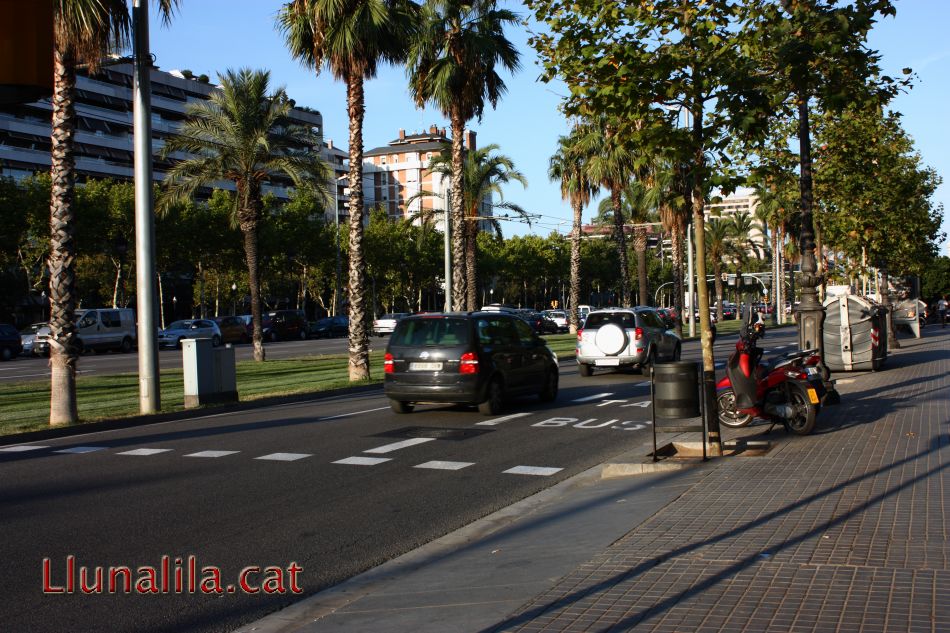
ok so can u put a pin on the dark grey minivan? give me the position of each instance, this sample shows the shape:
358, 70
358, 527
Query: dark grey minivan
477, 358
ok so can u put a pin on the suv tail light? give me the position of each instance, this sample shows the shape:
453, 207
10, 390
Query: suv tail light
388, 363
638, 333
580, 332
468, 364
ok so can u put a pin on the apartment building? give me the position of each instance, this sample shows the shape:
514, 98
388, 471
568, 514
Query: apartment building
103, 143
742, 201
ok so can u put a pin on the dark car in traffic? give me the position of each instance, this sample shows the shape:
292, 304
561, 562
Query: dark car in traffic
330, 327
233, 329
286, 325
538, 321
10, 344
478, 358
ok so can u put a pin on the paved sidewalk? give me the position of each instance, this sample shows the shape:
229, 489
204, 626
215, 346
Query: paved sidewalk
843, 530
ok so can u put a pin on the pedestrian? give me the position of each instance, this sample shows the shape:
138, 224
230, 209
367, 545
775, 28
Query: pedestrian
942, 311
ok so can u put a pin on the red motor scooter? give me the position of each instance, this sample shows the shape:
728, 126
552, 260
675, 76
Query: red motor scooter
786, 390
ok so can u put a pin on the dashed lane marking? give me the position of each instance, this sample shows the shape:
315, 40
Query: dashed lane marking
501, 419
594, 397
363, 461
212, 453
145, 452
539, 471
81, 449
441, 465
389, 448
21, 449
284, 457
346, 415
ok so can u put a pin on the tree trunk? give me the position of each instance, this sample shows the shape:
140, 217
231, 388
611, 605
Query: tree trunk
359, 338
249, 217
575, 298
459, 264
621, 240
471, 265
678, 291
640, 247
64, 354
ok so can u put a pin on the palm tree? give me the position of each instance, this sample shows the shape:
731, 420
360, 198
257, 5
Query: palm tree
717, 246
452, 64
241, 134
567, 165
483, 174
741, 228
609, 163
675, 212
637, 204
84, 31
351, 39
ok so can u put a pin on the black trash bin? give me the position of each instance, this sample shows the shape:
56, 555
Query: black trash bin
676, 390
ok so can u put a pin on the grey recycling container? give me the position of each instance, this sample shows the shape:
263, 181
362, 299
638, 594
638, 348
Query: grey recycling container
676, 390
855, 334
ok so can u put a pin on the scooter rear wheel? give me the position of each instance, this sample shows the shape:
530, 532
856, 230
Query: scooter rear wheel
803, 422
728, 416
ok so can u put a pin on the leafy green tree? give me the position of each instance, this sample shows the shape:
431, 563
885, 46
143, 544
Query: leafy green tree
484, 174
351, 39
241, 134
452, 64
567, 166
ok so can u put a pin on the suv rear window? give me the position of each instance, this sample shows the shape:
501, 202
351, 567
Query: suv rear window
626, 320
429, 331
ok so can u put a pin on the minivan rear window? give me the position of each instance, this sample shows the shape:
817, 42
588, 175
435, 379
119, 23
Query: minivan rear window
431, 331
626, 320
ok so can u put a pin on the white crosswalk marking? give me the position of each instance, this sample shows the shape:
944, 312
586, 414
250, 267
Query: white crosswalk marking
594, 397
212, 453
363, 461
495, 421
81, 449
144, 452
440, 465
540, 471
388, 448
20, 449
284, 457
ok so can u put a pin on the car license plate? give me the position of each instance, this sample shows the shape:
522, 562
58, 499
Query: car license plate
813, 396
425, 366
811, 371
609, 362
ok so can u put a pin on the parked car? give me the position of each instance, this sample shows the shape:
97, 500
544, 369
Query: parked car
11, 345
479, 358
233, 329
97, 329
330, 327
538, 322
189, 328
624, 337
286, 325
387, 323
559, 317
666, 314
28, 336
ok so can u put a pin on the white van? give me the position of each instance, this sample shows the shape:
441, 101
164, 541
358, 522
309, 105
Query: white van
98, 329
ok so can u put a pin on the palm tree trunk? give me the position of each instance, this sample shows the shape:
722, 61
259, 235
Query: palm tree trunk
359, 338
249, 217
575, 298
678, 290
459, 274
621, 240
640, 246
64, 354
471, 265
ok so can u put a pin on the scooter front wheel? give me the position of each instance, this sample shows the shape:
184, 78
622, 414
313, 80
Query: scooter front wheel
728, 416
803, 420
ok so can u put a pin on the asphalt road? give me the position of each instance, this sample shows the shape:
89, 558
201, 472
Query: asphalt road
331, 486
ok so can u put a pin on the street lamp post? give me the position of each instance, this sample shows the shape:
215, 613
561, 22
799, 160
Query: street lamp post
233, 299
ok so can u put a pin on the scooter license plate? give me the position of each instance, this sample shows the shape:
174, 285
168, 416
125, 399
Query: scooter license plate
813, 396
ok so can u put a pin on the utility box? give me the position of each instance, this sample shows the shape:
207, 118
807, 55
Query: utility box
209, 372
855, 334
907, 313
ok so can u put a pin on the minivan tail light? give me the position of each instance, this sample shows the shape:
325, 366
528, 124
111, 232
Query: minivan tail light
388, 363
638, 333
468, 364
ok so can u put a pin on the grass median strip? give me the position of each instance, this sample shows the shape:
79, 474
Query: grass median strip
24, 406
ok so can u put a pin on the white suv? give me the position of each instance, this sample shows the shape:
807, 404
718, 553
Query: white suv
624, 337
387, 323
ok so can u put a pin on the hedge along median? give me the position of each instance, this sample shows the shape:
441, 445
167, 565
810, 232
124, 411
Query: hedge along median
24, 406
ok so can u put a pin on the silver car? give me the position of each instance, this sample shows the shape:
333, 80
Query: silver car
189, 328
387, 323
624, 337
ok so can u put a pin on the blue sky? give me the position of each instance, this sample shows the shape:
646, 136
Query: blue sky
209, 36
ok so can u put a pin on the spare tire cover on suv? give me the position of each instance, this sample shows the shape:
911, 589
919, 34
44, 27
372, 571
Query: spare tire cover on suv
611, 339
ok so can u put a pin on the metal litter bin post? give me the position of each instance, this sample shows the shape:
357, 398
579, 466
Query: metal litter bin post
675, 395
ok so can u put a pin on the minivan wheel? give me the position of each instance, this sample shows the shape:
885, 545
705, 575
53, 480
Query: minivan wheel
585, 370
126, 345
273, 336
549, 392
6, 353
494, 400
215, 341
400, 406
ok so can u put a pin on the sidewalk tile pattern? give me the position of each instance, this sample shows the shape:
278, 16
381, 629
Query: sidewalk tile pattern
843, 530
